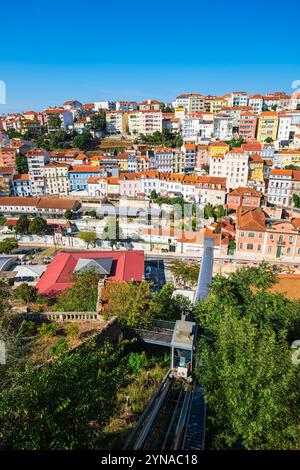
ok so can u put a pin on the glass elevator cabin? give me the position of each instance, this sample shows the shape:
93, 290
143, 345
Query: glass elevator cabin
182, 347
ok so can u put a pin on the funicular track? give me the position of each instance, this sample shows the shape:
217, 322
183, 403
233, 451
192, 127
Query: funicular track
165, 422
174, 419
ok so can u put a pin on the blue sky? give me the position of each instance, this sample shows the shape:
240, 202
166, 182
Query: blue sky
98, 50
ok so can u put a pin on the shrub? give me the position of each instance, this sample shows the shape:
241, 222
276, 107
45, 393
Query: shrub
72, 330
60, 347
48, 329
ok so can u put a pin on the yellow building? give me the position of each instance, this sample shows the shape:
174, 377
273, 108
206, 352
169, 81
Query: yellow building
288, 157
267, 125
123, 161
217, 104
256, 168
218, 148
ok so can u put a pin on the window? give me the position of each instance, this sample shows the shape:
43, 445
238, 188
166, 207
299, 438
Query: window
251, 234
242, 234
288, 250
249, 246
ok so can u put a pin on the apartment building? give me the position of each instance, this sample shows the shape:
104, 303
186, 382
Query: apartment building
191, 102
78, 176
247, 125
267, 126
197, 128
56, 178
21, 185
257, 103
150, 105
126, 106
223, 127
106, 105
283, 158
247, 197
145, 122
238, 99
161, 159
210, 190
281, 186
37, 160
8, 156
284, 129
261, 238
233, 166
256, 168
190, 157
65, 118
116, 122
6, 177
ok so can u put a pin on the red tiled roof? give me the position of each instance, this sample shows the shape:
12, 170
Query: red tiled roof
251, 219
127, 265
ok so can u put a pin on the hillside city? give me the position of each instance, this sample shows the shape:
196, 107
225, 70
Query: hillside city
150, 274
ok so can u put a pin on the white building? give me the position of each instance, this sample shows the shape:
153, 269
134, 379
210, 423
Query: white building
144, 122
223, 127
116, 122
257, 103
284, 129
65, 116
37, 160
56, 178
238, 99
197, 129
280, 187
109, 105
126, 105
233, 166
192, 102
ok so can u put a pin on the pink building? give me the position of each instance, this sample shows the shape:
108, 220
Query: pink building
248, 125
248, 197
259, 238
7, 156
202, 156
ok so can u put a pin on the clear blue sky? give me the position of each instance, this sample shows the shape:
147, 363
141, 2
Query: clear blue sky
95, 50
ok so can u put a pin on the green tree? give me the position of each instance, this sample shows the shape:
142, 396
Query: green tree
296, 200
164, 305
37, 226
68, 214
21, 163
292, 167
82, 296
184, 272
25, 292
33, 415
268, 140
54, 121
251, 386
90, 238
98, 122
153, 195
209, 211
112, 230
22, 225
130, 302
4, 297
244, 362
83, 141
7, 245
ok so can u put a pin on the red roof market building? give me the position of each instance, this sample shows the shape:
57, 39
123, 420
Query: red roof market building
116, 266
